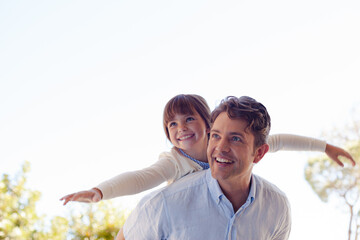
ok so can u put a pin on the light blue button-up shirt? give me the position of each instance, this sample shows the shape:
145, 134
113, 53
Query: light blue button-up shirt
194, 207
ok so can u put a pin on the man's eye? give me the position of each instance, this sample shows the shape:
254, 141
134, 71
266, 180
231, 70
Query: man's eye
215, 136
236, 139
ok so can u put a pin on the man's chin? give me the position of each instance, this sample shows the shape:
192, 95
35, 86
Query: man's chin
218, 174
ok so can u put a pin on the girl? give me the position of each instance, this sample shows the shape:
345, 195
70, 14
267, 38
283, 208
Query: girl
186, 122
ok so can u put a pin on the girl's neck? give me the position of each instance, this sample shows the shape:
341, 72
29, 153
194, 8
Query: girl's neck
198, 155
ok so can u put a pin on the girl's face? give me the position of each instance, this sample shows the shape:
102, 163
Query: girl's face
188, 132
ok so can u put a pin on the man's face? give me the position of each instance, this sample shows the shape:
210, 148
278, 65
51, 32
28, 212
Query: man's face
231, 150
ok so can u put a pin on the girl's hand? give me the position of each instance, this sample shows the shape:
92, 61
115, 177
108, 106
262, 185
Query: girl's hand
120, 235
334, 152
92, 195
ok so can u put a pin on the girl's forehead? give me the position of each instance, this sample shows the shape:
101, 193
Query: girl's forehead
180, 115
177, 115
181, 110
177, 109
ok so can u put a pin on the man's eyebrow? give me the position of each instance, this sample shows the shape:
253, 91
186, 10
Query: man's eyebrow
238, 134
214, 130
231, 133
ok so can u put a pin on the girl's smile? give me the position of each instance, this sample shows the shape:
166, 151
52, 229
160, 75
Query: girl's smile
185, 137
189, 133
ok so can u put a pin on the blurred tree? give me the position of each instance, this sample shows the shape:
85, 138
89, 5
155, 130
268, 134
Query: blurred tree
100, 220
18, 217
19, 220
329, 181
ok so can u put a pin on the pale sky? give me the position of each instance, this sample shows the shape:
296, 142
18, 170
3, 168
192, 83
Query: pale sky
83, 85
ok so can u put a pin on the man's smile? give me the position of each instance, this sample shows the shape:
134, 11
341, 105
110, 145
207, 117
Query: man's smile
223, 160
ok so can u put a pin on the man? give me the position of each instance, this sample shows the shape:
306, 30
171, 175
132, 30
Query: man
227, 201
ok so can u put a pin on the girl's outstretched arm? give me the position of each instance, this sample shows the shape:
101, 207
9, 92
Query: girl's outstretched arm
127, 183
291, 142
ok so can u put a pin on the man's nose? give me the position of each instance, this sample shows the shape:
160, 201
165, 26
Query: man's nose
222, 145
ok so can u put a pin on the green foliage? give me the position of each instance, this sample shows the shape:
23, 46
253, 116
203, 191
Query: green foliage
19, 220
96, 221
326, 178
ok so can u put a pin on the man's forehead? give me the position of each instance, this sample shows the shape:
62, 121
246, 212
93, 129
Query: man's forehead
224, 123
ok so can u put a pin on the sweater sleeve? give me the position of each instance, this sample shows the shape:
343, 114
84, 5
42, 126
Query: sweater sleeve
138, 181
295, 143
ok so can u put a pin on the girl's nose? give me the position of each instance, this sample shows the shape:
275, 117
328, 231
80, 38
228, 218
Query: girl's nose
182, 127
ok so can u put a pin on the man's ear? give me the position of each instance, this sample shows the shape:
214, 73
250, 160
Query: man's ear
260, 152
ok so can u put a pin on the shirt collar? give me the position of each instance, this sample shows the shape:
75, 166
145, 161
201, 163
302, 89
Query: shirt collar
214, 187
217, 193
252, 192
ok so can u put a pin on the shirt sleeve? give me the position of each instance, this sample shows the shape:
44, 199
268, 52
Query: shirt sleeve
284, 226
138, 181
291, 142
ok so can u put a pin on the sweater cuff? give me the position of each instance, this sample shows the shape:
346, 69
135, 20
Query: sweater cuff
318, 145
105, 190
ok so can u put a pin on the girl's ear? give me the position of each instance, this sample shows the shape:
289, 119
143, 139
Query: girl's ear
260, 152
208, 133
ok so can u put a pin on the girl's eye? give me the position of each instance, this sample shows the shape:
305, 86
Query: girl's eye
189, 119
172, 124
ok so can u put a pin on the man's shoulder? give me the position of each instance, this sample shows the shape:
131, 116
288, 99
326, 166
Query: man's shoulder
268, 189
187, 183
